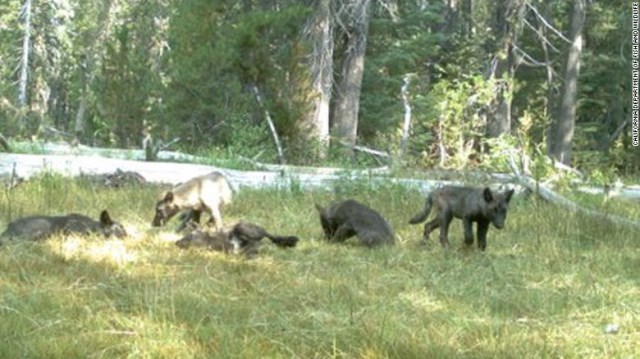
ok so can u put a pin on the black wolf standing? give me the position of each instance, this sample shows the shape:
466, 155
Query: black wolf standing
480, 205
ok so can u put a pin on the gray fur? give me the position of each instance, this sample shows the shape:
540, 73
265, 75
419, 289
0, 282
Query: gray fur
345, 219
479, 205
36, 228
207, 193
242, 238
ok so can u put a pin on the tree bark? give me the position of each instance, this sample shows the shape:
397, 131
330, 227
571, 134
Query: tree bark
406, 125
24, 64
503, 66
560, 135
319, 31
348, 91
548, 66
88, 67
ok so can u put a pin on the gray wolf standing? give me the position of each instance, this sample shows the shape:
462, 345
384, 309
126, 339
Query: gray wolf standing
480, 205
203, 193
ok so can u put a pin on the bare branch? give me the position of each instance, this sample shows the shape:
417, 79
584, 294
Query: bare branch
525, 58
540, 35
546, 23
272, 127
406, 126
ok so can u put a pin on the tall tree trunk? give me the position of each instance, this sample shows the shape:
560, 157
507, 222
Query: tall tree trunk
503, 66
348, 91
95, 39
319, 31
561, 131
542, 29
80, 118
24, 65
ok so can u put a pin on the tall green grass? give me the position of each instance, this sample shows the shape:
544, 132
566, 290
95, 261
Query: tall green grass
547, 286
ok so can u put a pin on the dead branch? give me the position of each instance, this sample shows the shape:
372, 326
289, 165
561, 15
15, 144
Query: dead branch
366, 150
4, 143
406, 126
546, 23
548, 195
272, 127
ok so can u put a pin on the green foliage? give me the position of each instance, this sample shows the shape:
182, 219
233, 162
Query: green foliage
397, 46
251, 140
219, 53
456, 121
188, 69
502, 152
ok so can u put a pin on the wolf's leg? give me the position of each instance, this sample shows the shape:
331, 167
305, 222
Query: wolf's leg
327, 228
445, 220
468, 231
483, 227
216, 217
190, 220
343, 232
428, 228
195, 216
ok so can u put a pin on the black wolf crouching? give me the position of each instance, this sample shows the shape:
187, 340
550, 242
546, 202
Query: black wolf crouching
480, 205
35, 228
345, 219
242, 238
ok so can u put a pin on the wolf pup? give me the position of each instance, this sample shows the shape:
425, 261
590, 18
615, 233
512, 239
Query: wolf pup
42, 227
243, 237
203, 193
345, 219
480, 205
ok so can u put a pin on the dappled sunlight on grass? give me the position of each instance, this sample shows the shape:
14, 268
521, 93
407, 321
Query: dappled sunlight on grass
113, 251
423, 301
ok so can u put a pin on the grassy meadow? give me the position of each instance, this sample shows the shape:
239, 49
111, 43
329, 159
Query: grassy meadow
548, 285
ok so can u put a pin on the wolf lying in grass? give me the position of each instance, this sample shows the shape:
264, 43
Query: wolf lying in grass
345, 219
242, 238
35, 228
480, 205
203, 193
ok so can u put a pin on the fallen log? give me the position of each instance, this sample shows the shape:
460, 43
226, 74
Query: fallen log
548, 195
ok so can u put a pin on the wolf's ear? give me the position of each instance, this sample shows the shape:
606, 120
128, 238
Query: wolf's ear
168, 197
488, 196
509, 194
105, 219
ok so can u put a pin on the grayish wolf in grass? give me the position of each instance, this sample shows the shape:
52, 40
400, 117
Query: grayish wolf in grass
345, 219
480, 205
42, 227
243, 237
203, 193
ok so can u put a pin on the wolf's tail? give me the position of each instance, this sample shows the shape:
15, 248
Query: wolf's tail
420, 217
283, 241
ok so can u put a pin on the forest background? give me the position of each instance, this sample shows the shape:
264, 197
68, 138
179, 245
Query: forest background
453, 84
